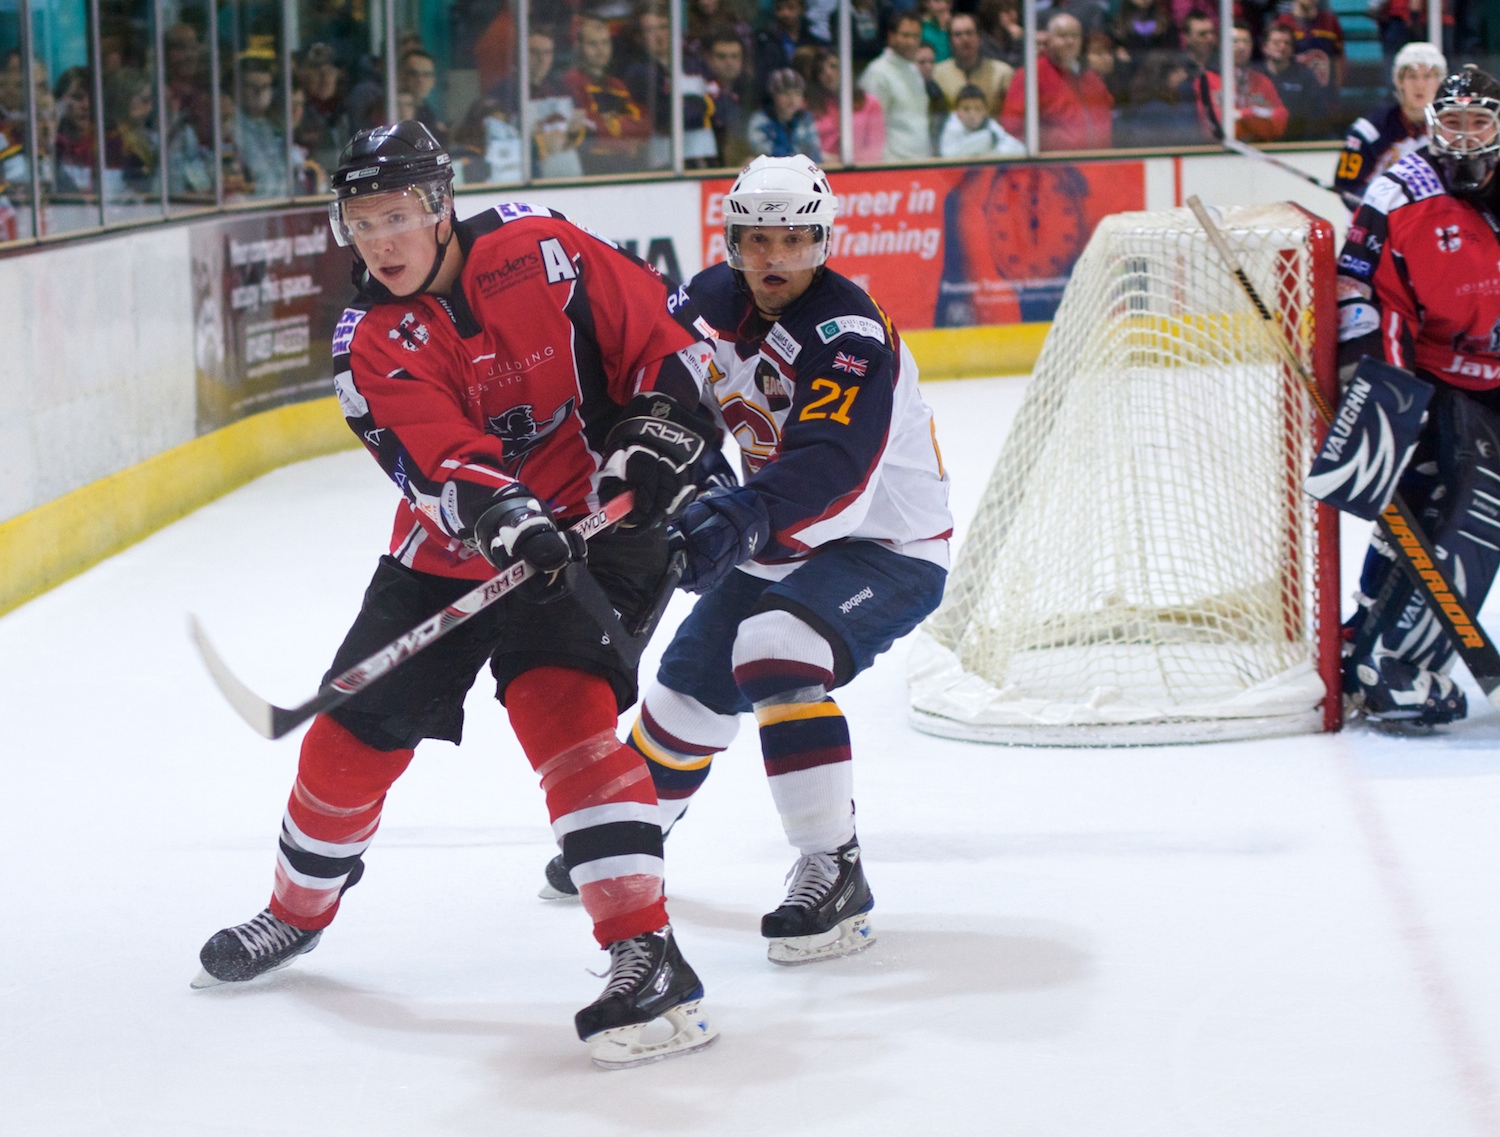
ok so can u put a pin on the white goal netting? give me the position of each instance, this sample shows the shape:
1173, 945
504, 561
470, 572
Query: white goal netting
1143, 565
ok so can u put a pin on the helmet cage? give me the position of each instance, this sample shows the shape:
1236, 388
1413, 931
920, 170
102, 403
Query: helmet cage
1465, 139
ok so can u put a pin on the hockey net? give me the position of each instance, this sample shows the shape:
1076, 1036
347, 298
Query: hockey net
1144, 566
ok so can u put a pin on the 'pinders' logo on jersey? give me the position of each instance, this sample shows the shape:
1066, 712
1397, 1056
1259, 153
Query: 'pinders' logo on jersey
411, 333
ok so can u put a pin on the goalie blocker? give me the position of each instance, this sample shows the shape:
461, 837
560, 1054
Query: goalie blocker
1371, 440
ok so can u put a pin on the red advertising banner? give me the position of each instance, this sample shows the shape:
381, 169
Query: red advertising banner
962, 245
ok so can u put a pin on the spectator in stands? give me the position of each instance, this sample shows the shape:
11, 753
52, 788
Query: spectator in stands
649, 80
308, 176
819, 68
785, 126
707, 19
1260, 115
417, 76
1377, 143
1001, 34
366, 99
12, 92
75, 131
729, 87
1308, 115
1144, 25
260, 142
778, 41
617, 127
968, 67
1101, 55
1200, 45
970, 132
938, 107
1090, 14
558, 126
894, 82
324, 128
130, 140
1157, 114
1073, 106
936, 15
867, 32
486, 145
1316, 29
15, 165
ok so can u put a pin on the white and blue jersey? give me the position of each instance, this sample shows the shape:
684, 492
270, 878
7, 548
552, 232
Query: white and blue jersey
833, 433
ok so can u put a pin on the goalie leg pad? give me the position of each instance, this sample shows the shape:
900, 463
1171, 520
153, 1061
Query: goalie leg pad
1371, 439
1392, 690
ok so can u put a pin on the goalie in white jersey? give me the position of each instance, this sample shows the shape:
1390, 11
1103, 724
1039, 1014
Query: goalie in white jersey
835, 546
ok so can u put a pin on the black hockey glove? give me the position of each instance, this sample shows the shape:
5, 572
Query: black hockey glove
652, 451
723, 528
517, 527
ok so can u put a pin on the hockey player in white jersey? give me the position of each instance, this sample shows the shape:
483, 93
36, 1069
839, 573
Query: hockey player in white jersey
835, 546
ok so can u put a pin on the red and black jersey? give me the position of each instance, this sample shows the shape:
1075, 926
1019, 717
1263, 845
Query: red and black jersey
1419, 279
517, 374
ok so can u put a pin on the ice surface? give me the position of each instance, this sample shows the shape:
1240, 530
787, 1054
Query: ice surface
1284, 938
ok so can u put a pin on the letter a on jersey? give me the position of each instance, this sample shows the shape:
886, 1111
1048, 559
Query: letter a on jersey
558, 266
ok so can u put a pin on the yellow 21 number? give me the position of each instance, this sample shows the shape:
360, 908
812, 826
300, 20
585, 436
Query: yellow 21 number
835, 392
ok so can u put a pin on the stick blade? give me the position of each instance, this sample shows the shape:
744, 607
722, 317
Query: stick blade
260, 714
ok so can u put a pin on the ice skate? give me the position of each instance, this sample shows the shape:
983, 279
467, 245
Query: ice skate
651, 991
826, 912
559, 884
248, 950
1400, 697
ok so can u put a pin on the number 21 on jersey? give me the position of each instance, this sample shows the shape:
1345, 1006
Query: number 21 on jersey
843, 396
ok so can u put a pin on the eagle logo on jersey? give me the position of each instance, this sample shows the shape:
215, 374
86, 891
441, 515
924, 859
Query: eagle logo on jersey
769, 383
842, 361
519, 431
411, 333
1472, 345
1448, 239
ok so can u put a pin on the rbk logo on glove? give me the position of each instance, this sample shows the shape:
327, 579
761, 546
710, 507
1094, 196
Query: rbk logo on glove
1371, 439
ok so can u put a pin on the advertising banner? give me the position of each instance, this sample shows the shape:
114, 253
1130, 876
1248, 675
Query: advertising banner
267, 292
958, 246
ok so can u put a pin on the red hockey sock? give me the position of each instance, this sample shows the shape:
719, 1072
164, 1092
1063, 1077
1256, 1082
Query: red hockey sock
599, 796
330, 820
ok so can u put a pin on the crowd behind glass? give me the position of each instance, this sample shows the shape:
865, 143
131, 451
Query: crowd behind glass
258, 98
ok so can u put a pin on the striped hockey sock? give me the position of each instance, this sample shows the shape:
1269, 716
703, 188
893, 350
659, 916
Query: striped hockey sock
678, 736
330, 820
784, 668
599, 795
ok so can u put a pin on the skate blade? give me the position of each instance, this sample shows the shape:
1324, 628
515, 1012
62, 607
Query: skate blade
625, 1046
203, 980
547, 892
849, 936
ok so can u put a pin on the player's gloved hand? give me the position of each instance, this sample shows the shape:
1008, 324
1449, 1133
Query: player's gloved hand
713, 471
723, 528
652, 451
518, 527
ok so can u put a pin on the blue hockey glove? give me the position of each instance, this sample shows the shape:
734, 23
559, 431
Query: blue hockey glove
519, 527
713, 471
652, 451
723, 528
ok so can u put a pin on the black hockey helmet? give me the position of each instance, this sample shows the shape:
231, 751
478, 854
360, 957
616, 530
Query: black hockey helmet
1463, 122
393, 159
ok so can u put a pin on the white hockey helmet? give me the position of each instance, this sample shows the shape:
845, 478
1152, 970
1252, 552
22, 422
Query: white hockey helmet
780, 193
1420, 54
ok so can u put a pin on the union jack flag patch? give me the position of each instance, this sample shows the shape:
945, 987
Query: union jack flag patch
842, 361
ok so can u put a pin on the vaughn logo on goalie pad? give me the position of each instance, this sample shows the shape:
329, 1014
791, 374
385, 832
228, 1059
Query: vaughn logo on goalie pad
1372, 438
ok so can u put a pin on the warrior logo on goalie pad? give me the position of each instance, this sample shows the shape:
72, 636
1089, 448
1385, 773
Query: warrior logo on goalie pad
1371, 439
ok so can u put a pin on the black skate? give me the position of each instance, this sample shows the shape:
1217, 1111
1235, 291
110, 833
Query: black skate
1400, 697
826, 910
648, 980
248, 950
559, 884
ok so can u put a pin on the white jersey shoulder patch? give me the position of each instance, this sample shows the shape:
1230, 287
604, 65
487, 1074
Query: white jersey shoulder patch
1386, 194
830, 330
351, 402
343, 331
1365, 129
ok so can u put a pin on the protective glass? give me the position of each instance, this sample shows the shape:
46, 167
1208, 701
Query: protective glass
387, 214
1465, 131
775, 248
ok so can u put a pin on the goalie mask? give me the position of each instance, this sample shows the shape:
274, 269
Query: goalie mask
778, 216
391, 180
1464, 124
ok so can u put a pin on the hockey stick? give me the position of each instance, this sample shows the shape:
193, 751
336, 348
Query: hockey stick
1238, 147
1398, 525
272, 721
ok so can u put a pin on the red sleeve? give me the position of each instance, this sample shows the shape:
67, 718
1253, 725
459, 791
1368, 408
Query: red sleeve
1013, 112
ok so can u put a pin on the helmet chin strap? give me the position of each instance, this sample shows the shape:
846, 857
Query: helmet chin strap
440, 255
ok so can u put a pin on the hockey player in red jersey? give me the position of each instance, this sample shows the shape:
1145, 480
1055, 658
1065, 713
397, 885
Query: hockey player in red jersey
1419, 286
509, 372
835, 546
